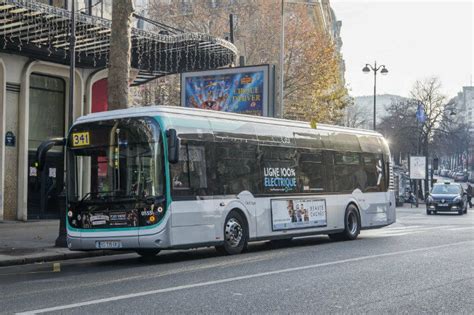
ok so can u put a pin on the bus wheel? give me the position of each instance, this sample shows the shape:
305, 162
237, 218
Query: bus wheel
235, 235
148, 252
351, 226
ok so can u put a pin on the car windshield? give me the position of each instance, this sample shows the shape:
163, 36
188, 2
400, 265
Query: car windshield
116, 159
446, 189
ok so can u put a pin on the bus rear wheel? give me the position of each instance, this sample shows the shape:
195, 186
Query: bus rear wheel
351, 226
147, 252
235, 235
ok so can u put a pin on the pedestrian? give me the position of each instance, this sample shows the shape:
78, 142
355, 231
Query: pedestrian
469, 194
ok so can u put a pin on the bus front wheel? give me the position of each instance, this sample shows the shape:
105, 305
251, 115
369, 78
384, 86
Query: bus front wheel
351, 226
235, 235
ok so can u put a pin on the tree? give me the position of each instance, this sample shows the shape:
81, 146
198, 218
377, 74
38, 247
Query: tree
355, 116
312, 87
400, 128
120, 55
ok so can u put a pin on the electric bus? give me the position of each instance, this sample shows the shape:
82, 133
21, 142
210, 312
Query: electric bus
165, 177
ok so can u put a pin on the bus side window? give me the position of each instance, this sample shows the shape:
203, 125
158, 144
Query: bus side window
349, 174
311, 172
188, 176
236, 170
370, 168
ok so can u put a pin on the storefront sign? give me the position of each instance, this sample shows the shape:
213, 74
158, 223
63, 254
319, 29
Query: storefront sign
10, 139
241, 90
289, 214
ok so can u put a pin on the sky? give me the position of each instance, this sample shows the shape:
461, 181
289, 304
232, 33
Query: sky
414, 39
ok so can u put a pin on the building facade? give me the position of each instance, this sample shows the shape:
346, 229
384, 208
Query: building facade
34, 80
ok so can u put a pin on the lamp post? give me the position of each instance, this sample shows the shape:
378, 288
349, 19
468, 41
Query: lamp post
375, 69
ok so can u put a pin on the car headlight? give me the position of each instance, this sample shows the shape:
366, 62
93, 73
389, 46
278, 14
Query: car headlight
457, 199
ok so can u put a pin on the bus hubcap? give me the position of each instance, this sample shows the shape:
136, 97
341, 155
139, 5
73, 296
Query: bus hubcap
233, 232
352, 223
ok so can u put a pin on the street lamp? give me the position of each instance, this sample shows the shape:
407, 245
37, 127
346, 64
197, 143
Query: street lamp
375, 69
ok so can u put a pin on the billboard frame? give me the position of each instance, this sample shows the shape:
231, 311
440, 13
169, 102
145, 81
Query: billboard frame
268, 109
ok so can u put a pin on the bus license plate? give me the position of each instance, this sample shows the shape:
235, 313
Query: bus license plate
108, 244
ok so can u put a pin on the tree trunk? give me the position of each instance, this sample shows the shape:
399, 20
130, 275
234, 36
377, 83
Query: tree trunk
120, 51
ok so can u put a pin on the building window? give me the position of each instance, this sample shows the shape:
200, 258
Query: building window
47, 109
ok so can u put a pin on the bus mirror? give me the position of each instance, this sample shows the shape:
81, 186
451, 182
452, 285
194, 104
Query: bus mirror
173, 146
43, 149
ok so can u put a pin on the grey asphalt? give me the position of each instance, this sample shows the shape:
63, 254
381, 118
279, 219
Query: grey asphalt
421, 264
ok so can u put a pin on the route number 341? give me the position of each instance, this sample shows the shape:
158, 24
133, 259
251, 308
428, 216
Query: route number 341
80, 139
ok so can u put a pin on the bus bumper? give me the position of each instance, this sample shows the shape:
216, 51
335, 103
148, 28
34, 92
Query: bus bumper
156, 240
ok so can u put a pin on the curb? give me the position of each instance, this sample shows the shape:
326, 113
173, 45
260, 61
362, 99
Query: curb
57, 256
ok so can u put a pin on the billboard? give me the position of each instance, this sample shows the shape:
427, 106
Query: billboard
243, 90
417, 167
289, 214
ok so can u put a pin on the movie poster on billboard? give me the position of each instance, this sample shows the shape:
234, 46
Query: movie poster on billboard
289, 214
242, 90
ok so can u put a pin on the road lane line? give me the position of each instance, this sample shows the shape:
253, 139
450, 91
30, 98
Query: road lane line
214, 282
461, 228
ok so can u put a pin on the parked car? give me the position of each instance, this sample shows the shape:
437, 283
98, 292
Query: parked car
460, 177
447, 197
470, 176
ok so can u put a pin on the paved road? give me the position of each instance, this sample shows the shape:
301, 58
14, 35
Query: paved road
420, 264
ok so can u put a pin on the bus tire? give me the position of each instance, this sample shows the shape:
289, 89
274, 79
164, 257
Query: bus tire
351, 225
235, 235
148, 252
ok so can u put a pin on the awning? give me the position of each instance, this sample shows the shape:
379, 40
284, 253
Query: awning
41, 31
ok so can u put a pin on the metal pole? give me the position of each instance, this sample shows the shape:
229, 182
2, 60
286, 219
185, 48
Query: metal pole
61, 239
231, 28
375, 95
72, 57
282, 56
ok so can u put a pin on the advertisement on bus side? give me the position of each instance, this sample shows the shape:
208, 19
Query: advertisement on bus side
288, 214
241, 90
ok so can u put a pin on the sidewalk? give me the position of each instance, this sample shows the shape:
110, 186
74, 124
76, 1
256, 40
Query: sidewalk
33, 242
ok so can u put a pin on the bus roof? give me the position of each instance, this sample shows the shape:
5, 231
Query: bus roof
170, 110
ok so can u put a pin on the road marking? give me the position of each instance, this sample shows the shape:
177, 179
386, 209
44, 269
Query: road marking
232, 279
56, 267
461, 228
404, 230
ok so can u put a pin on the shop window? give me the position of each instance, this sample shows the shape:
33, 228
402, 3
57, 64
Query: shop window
47, 109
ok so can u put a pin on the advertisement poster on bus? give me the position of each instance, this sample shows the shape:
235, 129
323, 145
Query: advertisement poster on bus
242, 90
417, 167
288, 214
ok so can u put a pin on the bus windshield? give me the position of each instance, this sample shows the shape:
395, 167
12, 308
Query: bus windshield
115, 159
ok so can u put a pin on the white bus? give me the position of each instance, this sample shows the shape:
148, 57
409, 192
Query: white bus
161, 177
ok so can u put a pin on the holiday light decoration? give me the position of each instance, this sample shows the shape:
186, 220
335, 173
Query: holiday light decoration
41, 31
